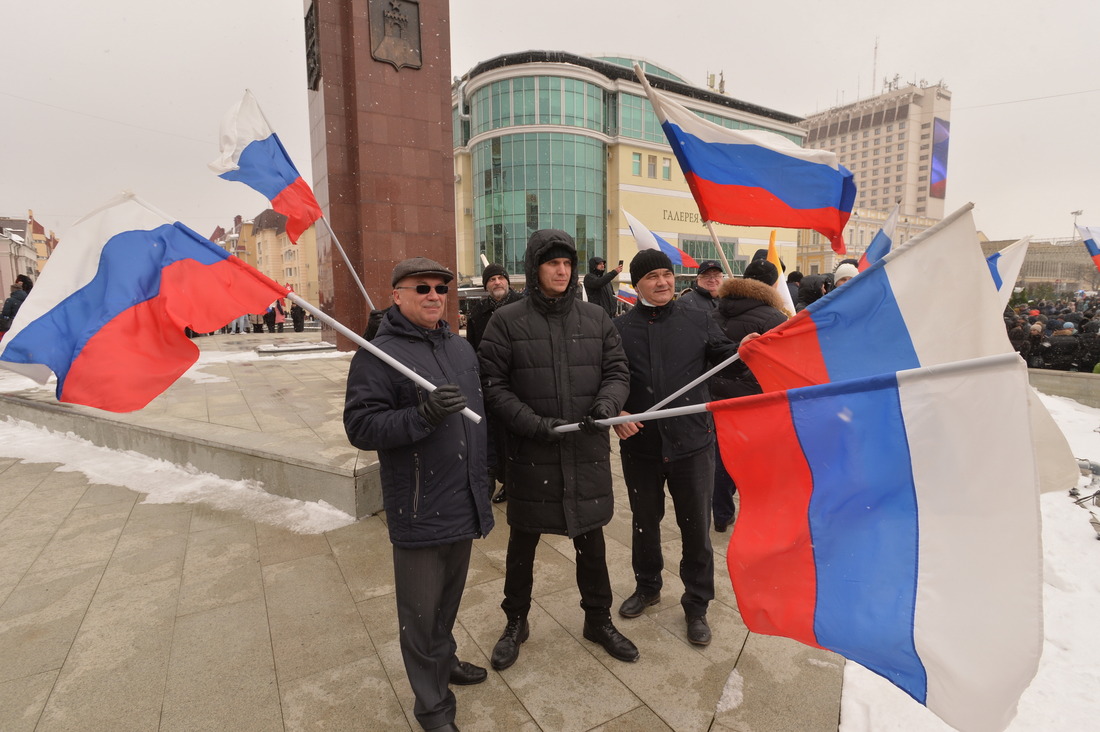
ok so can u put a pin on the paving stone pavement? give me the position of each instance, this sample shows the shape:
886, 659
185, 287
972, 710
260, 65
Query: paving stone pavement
118, 615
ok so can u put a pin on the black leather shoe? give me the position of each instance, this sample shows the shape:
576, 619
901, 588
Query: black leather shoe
636, 604
506, 651
500, 496
467, 674
614, 642
721, 526
698, 630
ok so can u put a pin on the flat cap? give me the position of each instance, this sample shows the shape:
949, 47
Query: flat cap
419, 266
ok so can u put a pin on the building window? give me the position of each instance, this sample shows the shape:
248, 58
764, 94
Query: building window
889, 138
926, 125
901, 147
651, 166
923, 157
636, 164
901, 125
897, 178
889, 128
922, 177
864, 153
897, 189
666, 168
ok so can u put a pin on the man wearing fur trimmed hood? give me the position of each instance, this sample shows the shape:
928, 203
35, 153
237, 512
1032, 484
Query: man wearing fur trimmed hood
748, 304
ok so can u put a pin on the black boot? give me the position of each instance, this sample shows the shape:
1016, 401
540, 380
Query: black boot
506, 651
614, 642
500, 496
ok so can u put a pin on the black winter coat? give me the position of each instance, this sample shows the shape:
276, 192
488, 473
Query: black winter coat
597, 285
699, 298
744, 306
668, 347
809, 291
480, 313
435, 486
543, 357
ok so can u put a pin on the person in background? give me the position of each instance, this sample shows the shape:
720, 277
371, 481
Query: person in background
298, 317
749, 304
794, 279
494, 278
433, 476
703, 294
25, 282
598, 287
845, 271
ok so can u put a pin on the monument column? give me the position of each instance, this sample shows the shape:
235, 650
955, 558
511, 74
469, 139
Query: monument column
380, 131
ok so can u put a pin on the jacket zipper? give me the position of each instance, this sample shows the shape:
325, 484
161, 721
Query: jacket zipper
416, 483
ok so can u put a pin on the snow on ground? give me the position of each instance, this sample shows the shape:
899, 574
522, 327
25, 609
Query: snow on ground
1065, 694
161, 481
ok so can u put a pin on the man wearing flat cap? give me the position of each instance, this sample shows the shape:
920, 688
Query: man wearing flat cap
548, 360
434, 482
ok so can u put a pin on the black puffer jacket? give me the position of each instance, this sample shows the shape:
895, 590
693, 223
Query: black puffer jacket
435, 486
669, 346
744, 306
543, 357
597, 285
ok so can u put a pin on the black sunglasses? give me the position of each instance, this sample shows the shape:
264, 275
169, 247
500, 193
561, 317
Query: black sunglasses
425, 289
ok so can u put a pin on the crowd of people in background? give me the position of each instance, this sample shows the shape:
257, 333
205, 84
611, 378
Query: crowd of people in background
1059, 334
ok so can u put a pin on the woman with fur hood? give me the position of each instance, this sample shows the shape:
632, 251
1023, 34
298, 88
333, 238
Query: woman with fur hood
749, 304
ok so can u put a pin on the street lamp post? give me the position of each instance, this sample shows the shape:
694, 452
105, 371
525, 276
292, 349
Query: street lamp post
1075, 214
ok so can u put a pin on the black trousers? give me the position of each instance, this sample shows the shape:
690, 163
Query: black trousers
592, 578
724, 489
428, 583
690, 483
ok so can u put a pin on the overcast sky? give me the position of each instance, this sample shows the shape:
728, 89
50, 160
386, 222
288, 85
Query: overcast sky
129, 94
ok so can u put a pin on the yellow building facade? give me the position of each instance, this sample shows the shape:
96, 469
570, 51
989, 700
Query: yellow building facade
554, 140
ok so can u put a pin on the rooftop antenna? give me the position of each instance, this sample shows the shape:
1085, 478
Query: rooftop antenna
874, 67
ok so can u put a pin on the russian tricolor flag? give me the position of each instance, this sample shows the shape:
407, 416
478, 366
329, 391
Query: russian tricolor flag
875, 522
1091, 235
926, 302
883, 241
755, 177
109, 313
627, 294
1005, 267
252, 154
646, 239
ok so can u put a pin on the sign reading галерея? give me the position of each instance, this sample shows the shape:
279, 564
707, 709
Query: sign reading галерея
691, 217
395, 32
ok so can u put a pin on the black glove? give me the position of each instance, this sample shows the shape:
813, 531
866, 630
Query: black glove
545, 429
589, 426
601, 410
446, 399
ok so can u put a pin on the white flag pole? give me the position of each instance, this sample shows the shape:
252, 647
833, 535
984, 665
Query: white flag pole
375, 350
641, 416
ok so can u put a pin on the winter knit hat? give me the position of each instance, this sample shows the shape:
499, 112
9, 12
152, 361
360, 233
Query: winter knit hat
646, 261
845, 270
556, 251
762, 270
491, 271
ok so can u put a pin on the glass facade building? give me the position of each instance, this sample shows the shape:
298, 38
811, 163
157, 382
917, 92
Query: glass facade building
554, 140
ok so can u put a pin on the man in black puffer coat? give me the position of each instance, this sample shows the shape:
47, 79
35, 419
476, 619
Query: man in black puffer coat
546, 361
748, 305
434, 485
